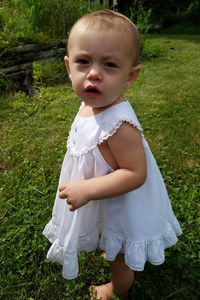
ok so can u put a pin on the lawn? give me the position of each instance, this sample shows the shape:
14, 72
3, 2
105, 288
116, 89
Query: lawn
33, 142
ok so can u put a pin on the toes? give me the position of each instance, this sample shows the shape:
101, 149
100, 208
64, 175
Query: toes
103, 255
92, 293
102, 292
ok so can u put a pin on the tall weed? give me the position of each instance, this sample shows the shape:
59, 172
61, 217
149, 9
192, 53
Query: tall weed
28, 21
142, 18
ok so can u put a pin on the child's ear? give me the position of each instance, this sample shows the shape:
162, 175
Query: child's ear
66, 60
133, 75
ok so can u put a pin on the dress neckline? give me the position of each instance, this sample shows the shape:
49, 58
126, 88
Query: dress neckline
101, 112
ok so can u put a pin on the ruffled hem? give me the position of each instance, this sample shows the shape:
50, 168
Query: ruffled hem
50, 231
68, 260
136, 253
67, 256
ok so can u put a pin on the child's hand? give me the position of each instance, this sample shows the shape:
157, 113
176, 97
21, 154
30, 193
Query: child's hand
75, 193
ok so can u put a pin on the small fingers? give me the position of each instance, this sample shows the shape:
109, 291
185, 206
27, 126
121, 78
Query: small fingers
68, 202
71, 208
61, 187
62, 194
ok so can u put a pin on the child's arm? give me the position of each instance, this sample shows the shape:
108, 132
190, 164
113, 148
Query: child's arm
128, 152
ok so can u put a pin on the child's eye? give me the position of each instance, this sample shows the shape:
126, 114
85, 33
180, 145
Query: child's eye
110, 65
82, 61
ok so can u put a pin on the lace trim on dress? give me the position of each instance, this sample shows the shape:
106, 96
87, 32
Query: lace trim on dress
101, 139
66, 257
136, 253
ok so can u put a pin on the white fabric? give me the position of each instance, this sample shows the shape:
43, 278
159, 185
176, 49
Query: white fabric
140, 224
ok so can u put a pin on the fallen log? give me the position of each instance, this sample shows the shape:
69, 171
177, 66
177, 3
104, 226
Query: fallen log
31, 52
16, 63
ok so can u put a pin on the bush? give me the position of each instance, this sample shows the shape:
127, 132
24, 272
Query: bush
5, 83
141, 17
150, 49
49, 72
56, 17
28, 20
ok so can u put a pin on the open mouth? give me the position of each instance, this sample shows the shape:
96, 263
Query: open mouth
93, 90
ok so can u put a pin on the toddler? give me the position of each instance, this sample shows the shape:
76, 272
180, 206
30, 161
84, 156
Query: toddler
109, 177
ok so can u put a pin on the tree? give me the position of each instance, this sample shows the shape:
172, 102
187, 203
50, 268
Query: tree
166, 12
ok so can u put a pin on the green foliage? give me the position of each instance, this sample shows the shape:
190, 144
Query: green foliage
49, 72
37, 20
5, 84
170, 13
141, 17
183, 27
2, 21
28, 21
151, 49
193, 11
33, 142
17, 15
56, 17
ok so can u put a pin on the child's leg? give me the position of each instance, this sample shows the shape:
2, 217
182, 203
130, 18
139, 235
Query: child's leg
122, 276
121, 281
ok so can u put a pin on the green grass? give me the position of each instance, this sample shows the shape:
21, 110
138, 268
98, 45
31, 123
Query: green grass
33, 142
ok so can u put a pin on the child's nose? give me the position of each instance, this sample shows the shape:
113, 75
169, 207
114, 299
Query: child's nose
94, 73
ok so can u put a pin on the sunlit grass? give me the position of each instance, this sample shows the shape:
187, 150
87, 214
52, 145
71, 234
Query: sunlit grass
33, 142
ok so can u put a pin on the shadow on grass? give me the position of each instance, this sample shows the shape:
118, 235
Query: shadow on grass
177, 279
194, 38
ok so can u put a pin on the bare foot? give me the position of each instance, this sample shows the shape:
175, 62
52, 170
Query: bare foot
101, 292
103, 254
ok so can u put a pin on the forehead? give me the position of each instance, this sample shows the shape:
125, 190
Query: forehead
99, 40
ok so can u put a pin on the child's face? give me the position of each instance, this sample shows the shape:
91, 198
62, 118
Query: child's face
100, 66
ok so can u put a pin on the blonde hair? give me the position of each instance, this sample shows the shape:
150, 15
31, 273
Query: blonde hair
111, 20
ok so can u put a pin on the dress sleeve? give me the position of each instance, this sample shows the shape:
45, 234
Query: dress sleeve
113, 119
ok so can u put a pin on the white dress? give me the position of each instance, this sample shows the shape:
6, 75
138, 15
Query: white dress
140, 224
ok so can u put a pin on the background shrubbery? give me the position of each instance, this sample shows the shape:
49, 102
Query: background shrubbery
38, 20
168, 14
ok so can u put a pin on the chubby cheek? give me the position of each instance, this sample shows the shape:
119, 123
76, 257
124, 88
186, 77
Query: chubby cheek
117, 87
77, 87
75, 79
